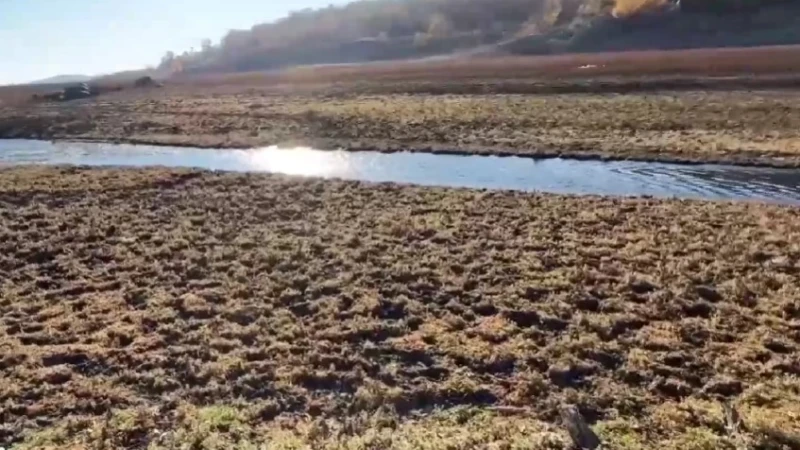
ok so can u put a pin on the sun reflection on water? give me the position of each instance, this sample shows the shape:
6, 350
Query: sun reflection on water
563, 176
298, 161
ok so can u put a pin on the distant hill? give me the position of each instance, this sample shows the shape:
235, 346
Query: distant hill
129, 76
374, 30
63, 79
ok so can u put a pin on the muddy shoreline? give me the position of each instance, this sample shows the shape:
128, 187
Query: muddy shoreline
738, 126
161, 293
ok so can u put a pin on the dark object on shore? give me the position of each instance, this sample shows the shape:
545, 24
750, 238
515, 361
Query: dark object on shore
77, 92
68, 93
144, 82
582, 436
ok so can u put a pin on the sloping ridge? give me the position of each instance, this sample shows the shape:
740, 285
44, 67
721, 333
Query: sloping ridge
63, 79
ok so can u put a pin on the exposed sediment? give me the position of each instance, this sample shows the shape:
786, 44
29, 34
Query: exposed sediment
222, 307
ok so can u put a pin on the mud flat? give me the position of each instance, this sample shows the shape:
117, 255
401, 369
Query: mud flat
177, 307
738, 127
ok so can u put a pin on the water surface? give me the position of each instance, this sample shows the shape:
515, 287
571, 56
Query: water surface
565, 176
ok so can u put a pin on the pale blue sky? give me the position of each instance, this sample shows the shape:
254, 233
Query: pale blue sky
42, 38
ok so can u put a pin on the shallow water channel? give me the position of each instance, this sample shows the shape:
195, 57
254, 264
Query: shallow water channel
564, 176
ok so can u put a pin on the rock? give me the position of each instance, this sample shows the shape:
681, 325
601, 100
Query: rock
709, 293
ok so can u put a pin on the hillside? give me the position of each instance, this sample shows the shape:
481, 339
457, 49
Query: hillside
672, 28
63, 79
371, 30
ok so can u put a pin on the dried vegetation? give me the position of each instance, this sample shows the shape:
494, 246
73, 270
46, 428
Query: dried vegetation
160, 309
748, 128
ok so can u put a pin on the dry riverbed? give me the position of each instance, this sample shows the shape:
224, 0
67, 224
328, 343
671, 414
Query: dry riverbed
162, 308
737, 126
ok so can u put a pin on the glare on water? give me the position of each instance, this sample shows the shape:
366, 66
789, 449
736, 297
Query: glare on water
563, 176
296, 161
